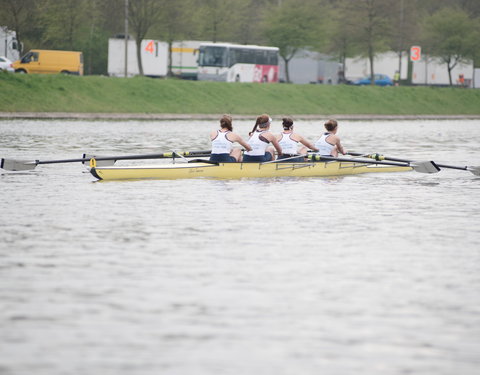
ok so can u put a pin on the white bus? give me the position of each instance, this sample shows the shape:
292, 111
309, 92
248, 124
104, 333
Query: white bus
237, 63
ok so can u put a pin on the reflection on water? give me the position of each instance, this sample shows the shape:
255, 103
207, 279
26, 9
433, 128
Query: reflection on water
368, 274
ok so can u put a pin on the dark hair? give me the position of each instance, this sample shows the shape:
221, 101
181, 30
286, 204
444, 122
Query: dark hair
331, 125
287, 123
262, 121
226, 122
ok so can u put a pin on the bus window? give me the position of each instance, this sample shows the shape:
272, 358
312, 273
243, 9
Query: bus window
272, 58
232, 57
261, 57
213, 56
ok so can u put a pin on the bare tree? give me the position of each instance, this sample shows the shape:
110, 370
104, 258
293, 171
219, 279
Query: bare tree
142, 15
450, 35
19, 15
62, 21
291, 27
372, 30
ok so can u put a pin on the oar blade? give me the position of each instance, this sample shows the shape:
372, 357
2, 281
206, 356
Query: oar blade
425, 167
17, 165
474, 170
100, 163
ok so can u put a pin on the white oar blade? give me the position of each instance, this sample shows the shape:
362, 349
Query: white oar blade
100, 163
425, 167
17, 165
474, 170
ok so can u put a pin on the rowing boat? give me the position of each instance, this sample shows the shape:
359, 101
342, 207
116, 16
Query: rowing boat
240, 170
314, 166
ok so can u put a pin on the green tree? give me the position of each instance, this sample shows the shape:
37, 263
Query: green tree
62, 22
216, 17
449, 35
176, 22
372, 30
340, 34
476, 48
21, 17
404, 16
291, 27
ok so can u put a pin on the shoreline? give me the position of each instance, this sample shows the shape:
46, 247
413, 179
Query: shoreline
176, 116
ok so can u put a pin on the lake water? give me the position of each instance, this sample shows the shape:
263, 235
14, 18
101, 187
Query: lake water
368, 274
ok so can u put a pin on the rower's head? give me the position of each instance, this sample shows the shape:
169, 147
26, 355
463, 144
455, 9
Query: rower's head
287, 123
226, 122
263, 121
331, 125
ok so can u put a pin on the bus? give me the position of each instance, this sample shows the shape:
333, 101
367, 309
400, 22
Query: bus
237, 63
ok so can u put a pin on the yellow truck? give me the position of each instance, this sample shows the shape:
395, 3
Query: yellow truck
50, 62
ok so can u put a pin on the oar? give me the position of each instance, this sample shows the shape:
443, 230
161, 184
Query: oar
422, 167
474, 170
24, 165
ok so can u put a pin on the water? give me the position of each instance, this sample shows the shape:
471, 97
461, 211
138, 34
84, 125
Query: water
371, 274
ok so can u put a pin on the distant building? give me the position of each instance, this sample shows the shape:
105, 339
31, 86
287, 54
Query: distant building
311, 67
428, 71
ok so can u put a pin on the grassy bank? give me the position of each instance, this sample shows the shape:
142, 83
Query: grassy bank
58, 93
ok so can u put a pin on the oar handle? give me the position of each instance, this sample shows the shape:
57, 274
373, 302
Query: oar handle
165, 155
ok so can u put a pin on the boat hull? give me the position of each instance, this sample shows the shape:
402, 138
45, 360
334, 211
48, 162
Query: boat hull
240, 170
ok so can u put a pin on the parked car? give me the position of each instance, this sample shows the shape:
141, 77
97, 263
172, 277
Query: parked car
6, 65
380, 80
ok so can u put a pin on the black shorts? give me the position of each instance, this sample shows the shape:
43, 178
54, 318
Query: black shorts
257, 158
222, 158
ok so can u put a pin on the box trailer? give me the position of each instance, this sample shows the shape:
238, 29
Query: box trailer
427, 71
8, 44
185, 58
154, 56
431, 71
310, 67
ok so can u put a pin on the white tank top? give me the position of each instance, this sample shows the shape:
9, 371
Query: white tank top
221, 144
258, 146
288, 145
324, 148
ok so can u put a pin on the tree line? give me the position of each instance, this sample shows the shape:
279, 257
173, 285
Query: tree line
446, 29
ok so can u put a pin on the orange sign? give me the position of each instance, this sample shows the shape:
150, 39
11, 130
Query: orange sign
149, 47
415, 53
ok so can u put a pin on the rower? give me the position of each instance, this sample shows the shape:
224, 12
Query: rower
260, 137
222, 140
329, 143
289, 142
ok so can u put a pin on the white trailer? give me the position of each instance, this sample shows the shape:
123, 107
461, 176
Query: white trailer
427, 71
430, 71
154, 58
185, 58
310, 67
8, 44
384, 63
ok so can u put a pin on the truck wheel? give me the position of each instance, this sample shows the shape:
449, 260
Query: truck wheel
21, 71
66, 72
237, 78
